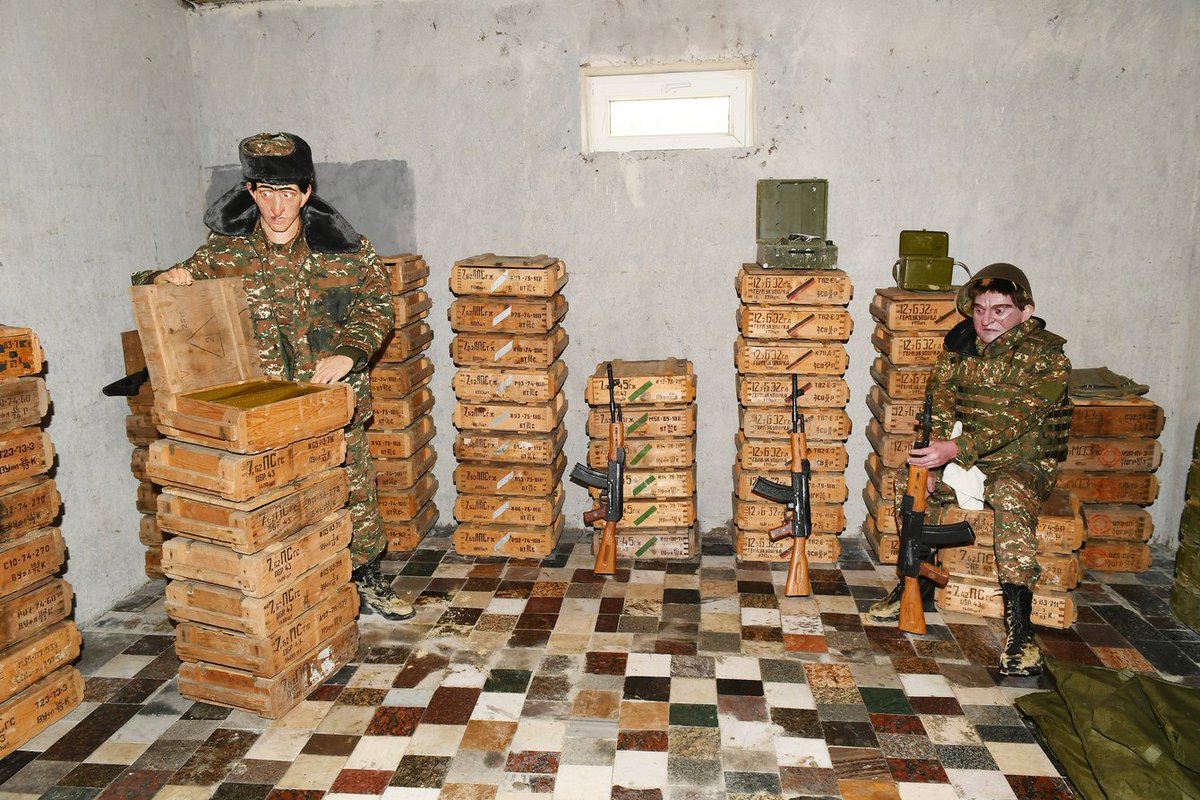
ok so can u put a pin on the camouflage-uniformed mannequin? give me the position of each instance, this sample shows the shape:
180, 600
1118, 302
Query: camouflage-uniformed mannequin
1004, 377
320, 306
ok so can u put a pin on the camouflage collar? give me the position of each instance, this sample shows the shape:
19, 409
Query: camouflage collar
962, 339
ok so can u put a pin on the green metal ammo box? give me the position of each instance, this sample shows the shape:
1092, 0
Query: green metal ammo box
791, 224
924, 264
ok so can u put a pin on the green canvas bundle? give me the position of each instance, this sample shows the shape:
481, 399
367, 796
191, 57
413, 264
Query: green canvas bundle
1102, 382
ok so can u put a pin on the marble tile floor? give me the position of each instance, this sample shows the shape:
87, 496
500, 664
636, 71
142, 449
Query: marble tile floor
672, 681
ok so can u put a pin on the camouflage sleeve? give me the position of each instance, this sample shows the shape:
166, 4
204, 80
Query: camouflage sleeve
1041, 392
370, 316
941, 386
200, 265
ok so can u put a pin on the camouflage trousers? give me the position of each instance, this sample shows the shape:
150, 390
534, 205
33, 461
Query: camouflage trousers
368, 539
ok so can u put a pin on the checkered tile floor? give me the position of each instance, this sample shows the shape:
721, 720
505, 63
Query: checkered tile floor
681, 681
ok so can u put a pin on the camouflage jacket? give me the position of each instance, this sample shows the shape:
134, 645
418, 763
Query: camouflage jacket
304, 305
1010, 395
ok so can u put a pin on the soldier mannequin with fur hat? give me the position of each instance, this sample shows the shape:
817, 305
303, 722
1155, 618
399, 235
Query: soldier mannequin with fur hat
320, 307
1002, 377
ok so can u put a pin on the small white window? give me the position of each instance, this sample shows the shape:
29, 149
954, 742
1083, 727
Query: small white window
670, 109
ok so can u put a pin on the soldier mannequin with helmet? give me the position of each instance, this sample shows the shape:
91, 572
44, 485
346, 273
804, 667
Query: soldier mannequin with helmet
1003, 376
319, 305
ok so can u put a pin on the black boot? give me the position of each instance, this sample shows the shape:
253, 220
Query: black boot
888, 609
375, 593
1021, 654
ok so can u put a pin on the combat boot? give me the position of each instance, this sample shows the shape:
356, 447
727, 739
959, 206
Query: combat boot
375, 593
1021, 654
888, 609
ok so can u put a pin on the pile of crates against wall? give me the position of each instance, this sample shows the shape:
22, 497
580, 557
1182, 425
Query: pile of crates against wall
254, 496
400, 432
141, 429
37, 642
657, 402
510, 405
1185, 591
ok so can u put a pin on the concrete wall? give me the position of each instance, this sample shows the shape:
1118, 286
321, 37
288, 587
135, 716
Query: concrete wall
99, 177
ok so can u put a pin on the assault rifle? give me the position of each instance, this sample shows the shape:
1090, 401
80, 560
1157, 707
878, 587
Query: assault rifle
611, 484
798, 516
918, 540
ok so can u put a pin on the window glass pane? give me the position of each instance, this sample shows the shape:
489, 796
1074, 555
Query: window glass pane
669, 116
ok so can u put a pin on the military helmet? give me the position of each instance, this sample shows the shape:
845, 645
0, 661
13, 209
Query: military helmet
276, 158
984, 279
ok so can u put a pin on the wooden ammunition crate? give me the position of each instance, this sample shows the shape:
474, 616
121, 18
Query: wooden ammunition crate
138, 457
886, 546
753, 356
776, 390
892, 448
900, 383
405, 271
26, 505
404, 343
141, 428
143, 401
653, 514
404, 443
149, 531
1126, 523
826, 287
510, 448
757, 546
411, 307
237, 476
523, 480
38, 707
667, 543
146, 500
20, 352
901, 310
668, 380
403, 536
820, 424
153, 562
1060, 571
269, 697
401, 473
508, 350
885, 479
527, 541
35, 609
1060, 527
200, 350
881, 510
230, 608
815, 323
402, 505
1110, 555
763, 515
249, 526
509, 510
511, 417
490, 384
1137, 488
392, 413
508, 276
823, 487
26, 662
506, 315
24, 454
1129, 416
647, 453
23, 402
258, 574
774, 455
896, 416
651, 484
268, 655
907, 347
1113, 454
391, 379
983, 599
30, 559
651, 422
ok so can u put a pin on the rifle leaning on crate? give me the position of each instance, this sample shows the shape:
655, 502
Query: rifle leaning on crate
611, 483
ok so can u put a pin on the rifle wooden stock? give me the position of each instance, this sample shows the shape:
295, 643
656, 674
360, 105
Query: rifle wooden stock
606, 553
797, 584
912, 611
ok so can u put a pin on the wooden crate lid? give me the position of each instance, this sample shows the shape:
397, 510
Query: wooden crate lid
516, 262
196, 336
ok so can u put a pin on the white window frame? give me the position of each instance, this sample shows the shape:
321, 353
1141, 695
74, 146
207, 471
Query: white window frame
602, 85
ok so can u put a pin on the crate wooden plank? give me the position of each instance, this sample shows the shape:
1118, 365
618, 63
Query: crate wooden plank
647, 453
776, 390
900, 383
907, 347
774, 455
402, 536
27, 505
401, 473
882, 511
1124, 522
511, 417
23, 402
651, 422
896, 416
411, 307
824, 287
506, 314
509, 510
268, 655
667, 543
249, 526
20, 352
820, 424
885, 546
230, 608
393, 413
757, 546
131, 352
1128, 416
401, 505
30, 559
258, 574
406, 342
392, 379
769, 357
38, 707
892, 448
1059, 571
27, 661
522, 480
149, 532
33, 610
237, 476
1060, 527
667, 380
493, 384
815, 323
405, 271
404, 443
508, 350
888, 481
823, 487
1112, 454
526, 541
983, 599
902, 310
153, 562
1109, 555
510, 448
137, 463
143, 401
274, 696
1137, 488
146, 499
756, 515
508, 276
24, 453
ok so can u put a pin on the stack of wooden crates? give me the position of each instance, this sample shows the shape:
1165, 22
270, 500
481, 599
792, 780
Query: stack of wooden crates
1185, 591
657, 400
399, 433
507, 317
793, 321
254, 495
141, 429
37, 643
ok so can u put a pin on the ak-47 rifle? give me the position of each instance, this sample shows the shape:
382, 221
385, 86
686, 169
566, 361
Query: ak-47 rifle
798, 516
918, 540
611, 484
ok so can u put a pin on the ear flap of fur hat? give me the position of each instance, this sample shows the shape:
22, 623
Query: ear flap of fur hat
233, 214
